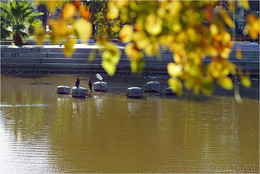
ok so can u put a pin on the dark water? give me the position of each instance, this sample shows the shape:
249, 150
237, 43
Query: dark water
42, 132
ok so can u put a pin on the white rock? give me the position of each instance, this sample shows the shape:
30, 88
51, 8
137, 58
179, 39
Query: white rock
100, 86
152, 86
78, 92
134, 92
63, 90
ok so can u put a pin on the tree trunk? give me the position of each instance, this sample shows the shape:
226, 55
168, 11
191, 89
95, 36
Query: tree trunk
92, 12
44, 18
18, 39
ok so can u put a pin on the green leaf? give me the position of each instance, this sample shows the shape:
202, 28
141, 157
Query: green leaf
207, 87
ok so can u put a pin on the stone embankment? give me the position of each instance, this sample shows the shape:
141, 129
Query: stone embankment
51, 59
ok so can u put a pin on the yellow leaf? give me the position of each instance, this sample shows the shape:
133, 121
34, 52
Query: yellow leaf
68, 10
213, 29
137, 66
68, 47
174, 8
228, 67
195, 70
111, 53
212, 51
61, 27
110, 58
245, 81
176, 85
126, 33
132, 52
153, 24
252, 26
231, 5
113, 12
188, 83
239, 53
51, 5
226, 18
109, 67
84, 29
40, 35
176, 27
174, 70
196, 89
58, 29
140, 40
245, 4
92, 55
225, 82
84, 12
225, 38
116, 28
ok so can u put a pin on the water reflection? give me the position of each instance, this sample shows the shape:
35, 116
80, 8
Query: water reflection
98, 99
41, 131
134, 106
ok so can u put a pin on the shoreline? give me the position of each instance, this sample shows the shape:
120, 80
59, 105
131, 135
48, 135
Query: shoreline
118, 84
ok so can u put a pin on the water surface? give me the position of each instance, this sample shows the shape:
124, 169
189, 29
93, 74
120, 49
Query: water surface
43, 132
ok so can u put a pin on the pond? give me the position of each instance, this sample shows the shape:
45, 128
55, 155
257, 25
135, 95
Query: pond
43, 132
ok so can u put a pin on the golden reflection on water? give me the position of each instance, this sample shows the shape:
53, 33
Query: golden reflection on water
41, 131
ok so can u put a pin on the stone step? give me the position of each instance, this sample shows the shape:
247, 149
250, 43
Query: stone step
99, 59
246, 50
52, 59
98, 56
252, 67
71, 61
253, 63
57, 67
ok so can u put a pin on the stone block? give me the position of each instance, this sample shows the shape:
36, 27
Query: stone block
100, 86
63, 90
78, 92
134, 92
152, 86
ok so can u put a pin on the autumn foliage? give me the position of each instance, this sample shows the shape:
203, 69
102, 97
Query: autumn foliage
192, 30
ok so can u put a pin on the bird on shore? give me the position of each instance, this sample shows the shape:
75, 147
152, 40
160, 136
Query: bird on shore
90, 85
77, 83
